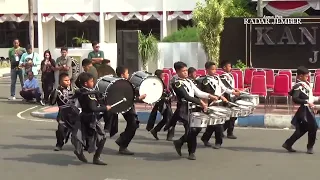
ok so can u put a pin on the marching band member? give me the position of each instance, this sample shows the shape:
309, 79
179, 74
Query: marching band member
192, 74
228, 80
131, 118
68, 113
212, 84
304, 119
164, 107
185, 90
93, 133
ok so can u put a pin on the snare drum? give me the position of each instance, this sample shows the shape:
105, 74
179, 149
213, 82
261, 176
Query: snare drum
224, 110
147, 84
251, 98
198, 120
215, 120
235, 112
114, 89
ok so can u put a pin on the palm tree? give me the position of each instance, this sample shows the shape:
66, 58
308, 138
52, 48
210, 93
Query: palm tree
31, 28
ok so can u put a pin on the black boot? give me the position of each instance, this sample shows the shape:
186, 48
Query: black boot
125, 151
231, 136
288, 148
310, 151
178, 145
96, 158
217, 146
170, 134
81, 156
154, 134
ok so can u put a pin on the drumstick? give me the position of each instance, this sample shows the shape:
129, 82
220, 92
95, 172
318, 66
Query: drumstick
213, 102
233, 104
119, 102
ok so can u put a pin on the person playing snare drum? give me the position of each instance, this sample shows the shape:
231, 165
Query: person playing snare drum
185, 91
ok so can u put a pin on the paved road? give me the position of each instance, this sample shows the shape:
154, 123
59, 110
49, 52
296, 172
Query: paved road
26, 153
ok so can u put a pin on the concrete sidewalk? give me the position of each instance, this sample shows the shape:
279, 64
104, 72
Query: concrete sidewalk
277, 119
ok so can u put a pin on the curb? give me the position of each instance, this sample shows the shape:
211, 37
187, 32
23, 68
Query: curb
255, 120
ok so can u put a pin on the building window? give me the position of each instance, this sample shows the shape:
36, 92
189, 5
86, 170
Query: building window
146, 27
65, 32
184, 23
10, 30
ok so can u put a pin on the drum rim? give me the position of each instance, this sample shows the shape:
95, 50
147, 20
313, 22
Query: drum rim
222, 108
162, 89
251, 104
112, 82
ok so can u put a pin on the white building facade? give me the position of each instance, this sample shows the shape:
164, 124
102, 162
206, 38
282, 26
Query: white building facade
105, 13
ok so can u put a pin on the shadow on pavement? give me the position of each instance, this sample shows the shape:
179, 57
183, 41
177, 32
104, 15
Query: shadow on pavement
37, 137
257, 149
37, 147
50, 159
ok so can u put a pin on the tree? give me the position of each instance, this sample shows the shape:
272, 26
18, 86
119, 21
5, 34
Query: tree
31, 27
209, 19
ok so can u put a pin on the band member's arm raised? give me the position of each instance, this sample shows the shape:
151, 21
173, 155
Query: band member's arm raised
181, 92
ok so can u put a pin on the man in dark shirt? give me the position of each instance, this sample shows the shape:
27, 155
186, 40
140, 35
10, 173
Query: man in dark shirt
89, 68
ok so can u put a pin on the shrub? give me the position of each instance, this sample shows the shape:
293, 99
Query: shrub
187, 34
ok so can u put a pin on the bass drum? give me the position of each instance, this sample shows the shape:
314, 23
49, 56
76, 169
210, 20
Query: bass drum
147, 84
113, 90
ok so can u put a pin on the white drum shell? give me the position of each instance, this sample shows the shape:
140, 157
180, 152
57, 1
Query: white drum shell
198, 120
235, 112
251, 98
215, 120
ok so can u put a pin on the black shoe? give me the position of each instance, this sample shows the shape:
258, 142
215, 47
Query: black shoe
81, 157
125, 151
98, 161
118, 142
217, 146
192, 156
310, 151
57, 148
154, 134
206, 143
231, 136
177, 144
170, 138
289, 149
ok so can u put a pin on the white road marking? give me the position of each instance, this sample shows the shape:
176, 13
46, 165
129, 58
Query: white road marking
19, 115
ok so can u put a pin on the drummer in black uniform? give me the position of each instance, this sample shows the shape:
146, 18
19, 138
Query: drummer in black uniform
228, 80
213, 85
304, 119
192, 74
91, 129
68, 112
185, 90
131, 118
164, 107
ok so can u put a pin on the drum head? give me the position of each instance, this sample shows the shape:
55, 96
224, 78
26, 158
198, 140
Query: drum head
244, 103
215, 108
153, 88
116, 92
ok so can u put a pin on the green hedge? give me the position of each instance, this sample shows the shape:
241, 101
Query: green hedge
187, 34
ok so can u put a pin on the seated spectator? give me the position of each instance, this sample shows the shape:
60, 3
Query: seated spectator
89, 68
31, 89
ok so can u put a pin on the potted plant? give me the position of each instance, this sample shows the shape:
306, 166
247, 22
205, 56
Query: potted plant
81, 41
148, 49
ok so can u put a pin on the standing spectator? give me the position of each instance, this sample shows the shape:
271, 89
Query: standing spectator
15, 54
96, 56
63, 64
31, 89
47, 78
30, 61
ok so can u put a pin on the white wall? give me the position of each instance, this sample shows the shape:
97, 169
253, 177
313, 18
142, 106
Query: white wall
181, 5
131, 5
16, 6
69, 6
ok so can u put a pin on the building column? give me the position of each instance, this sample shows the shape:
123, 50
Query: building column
101, 24
164, 20
40, 28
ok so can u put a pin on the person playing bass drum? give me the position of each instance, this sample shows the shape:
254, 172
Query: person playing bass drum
185, 90
228, 80
164, 107
130, 117
91, 128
